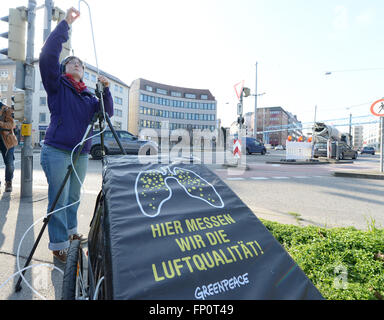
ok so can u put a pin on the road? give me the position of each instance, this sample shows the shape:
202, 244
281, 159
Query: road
295, 194
310, 194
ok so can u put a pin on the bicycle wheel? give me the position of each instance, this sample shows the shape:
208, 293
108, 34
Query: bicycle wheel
74, 287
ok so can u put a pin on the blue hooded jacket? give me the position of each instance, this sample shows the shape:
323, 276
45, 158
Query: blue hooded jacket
71, 112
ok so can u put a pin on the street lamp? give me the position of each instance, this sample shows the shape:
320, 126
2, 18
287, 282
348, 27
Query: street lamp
255, 115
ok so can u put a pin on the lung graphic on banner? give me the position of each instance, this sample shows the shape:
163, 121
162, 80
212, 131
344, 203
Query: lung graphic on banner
152, 189
179, 232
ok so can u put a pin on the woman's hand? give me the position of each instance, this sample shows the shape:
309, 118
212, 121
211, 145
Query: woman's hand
104, 81
72, 15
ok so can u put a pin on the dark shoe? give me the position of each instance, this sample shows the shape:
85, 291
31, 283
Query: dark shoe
8, 186
77, 236
61, 255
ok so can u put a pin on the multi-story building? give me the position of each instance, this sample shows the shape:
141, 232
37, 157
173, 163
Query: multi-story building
372, 135
40, 111
358, 137
275, 123
159, 106
7, 79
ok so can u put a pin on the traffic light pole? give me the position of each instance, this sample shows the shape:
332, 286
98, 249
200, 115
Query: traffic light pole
27, 150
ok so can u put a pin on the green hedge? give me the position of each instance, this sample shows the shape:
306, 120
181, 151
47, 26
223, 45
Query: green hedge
343, 263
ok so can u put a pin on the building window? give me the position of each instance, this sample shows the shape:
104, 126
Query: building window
204, 97
43, 101
93, 77
175, 94
3, 73
118, 100
148, 88
161, 91
117, 112
117, 125
86, 75
42, 117
190, 96
4, 87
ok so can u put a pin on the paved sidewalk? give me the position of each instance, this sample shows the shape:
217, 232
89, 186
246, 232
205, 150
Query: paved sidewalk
16, 217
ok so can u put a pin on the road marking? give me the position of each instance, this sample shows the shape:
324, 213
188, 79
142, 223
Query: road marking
280, 177
235, 179
301, 177
259, 178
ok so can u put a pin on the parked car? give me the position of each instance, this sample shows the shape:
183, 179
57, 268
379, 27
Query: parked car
131, 144
346, 152
368, 150
280, 147
255, 146
320, 150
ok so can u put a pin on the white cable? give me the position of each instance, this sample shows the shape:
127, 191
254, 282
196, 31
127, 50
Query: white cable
95, 296
30, 267
93, 38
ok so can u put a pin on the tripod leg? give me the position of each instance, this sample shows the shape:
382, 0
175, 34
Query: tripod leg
46, 220
115, 134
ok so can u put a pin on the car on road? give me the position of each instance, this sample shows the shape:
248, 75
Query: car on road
255, 146
320, 150
368, 150
346, 152
131, 144
280, 147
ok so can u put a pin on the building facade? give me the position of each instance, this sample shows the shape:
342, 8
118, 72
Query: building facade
372, 135
358, 137
159, 107
275, 123
7, 79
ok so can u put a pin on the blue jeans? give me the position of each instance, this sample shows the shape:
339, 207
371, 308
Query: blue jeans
63, 223
9, 158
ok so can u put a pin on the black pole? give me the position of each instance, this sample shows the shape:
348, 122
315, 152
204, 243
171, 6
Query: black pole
102, 113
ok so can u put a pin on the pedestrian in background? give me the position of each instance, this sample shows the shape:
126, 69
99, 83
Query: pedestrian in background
8, 141
71, 107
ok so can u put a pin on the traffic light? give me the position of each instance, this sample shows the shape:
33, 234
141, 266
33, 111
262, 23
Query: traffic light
246, 91
16, 33
240, 120
18, 105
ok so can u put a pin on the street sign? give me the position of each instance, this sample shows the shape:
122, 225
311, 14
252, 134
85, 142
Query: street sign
238, 92
377, 108
239, 109
237, 148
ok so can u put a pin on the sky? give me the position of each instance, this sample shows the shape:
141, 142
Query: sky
215, 44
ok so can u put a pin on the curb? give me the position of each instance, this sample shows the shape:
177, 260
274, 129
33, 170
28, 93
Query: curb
362, 175
316, 162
